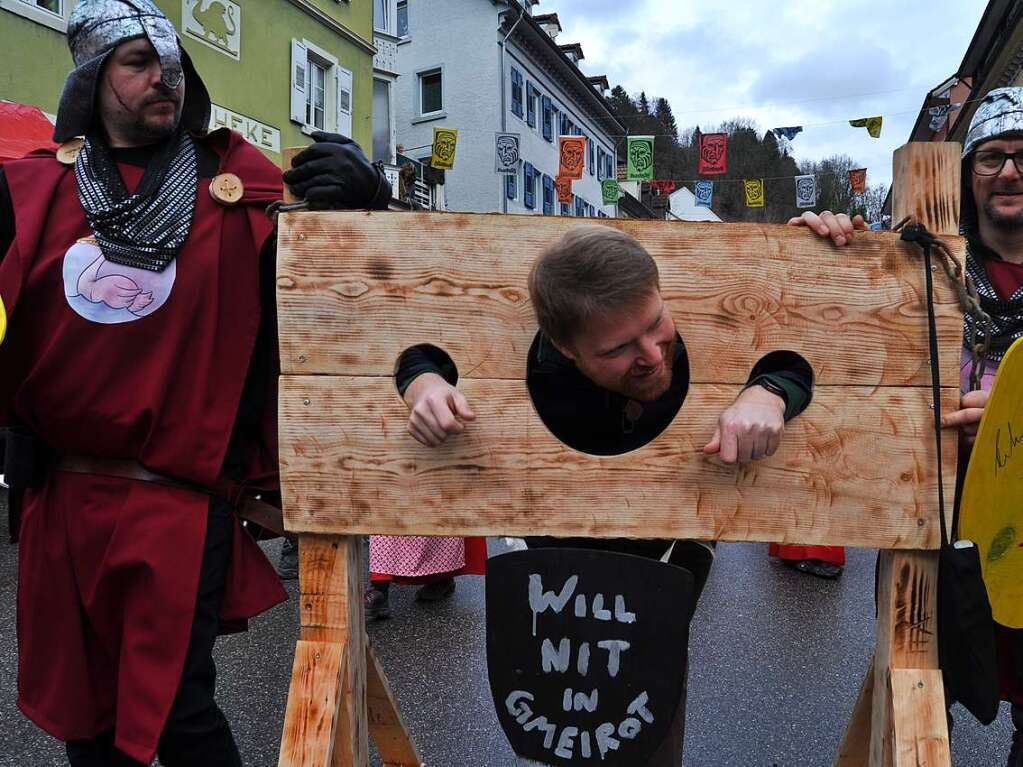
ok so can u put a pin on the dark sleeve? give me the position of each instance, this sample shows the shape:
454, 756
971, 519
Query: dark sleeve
423, 359
789, 372
6, 216
382, 198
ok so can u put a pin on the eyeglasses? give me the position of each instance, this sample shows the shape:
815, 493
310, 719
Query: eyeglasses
990, 163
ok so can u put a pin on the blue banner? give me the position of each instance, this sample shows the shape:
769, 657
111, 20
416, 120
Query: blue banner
704, 193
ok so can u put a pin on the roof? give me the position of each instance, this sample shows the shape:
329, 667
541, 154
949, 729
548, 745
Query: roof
575, 48
548, 18
600, 80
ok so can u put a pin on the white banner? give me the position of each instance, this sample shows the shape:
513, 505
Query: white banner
506, 152
806, 191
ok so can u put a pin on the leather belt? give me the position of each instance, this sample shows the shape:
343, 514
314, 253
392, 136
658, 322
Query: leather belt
249, 507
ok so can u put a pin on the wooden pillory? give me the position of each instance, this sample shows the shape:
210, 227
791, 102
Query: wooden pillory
857, 468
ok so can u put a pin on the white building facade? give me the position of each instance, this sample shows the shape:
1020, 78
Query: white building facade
487, 66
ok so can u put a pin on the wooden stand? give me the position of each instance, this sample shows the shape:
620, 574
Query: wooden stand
346, 467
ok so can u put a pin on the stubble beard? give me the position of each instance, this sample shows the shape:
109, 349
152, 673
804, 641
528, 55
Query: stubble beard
1010, 222
648, 391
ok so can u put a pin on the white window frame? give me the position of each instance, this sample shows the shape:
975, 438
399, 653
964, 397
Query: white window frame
390, 22
29, 10
406, 35
334, 73
422, 116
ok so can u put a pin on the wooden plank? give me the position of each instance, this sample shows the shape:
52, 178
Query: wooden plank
331, 609
313, 698
920, 719
386, 726
854, 750
356, 288
925, 185
848, 471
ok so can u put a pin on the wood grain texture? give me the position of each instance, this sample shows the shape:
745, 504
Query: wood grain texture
920, 723
925, 185
331, 609
854, 751
386, 726
355, 289
856, 468
311, 714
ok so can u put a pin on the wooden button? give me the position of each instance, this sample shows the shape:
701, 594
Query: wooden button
68, 151
227, 189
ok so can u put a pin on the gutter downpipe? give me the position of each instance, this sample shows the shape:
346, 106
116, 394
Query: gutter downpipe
504, 110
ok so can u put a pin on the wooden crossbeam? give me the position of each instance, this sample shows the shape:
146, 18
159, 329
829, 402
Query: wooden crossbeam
386, 726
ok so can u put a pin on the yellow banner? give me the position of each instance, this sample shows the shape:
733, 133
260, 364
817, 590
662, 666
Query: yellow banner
444, 142
872, 124
754, 192
991, 514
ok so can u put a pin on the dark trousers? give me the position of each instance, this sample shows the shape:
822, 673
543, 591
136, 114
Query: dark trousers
196, 733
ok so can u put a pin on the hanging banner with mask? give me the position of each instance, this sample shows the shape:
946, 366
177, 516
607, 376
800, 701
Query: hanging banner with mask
713, 154
872, 124
609, 191
939, 115
563, 184
506, 152
444, 142
571, 156
663, 187
754, 188
806, 191
858, 180
787, 133
704, 193
640, 155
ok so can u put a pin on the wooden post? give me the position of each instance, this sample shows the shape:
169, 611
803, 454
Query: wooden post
925, 186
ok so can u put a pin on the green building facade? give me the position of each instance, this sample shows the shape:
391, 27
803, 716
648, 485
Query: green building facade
276, 69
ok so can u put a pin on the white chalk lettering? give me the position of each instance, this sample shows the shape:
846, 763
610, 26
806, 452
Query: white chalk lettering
598, 609
584, 745
614, 647
606, 741
548, 728
638, 706
582, 661
579, 700
566, 742
555, 661
621, 614
580, 605
630, 728
515, 703
540, 600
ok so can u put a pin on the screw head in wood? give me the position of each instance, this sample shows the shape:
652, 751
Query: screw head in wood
305, 402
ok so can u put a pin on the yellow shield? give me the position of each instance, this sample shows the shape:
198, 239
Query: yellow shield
992, 504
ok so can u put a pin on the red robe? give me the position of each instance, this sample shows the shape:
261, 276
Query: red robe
108, 568
834, 555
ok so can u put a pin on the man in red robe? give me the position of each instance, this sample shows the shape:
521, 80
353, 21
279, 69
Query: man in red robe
139, 378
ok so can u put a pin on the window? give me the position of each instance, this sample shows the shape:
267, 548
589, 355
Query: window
548, 195
610, 170
382, 15
530, 105
528, 186
566, 209
580, 206
563, 123
50, 13
591, 155
402, 18
547, 110
56, 7
431, 96
382, 121
516, 92
321, 90
511, 183
601, 164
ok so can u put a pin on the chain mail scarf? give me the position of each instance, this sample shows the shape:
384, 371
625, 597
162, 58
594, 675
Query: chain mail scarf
145, 229
1006, 316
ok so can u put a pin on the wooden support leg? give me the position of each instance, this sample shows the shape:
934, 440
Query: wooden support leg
325, 721
904, 727
855, 748
385, 723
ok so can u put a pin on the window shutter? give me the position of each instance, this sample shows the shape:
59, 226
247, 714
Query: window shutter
299, 80
344, 102
528, 187
509, 185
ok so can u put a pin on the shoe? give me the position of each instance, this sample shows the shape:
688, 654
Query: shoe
287, 565
816, 567
436, 591
377, 606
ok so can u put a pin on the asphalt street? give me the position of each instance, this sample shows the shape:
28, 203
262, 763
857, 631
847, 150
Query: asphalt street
776, 662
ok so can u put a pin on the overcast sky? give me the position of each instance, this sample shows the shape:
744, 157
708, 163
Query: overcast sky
816, 63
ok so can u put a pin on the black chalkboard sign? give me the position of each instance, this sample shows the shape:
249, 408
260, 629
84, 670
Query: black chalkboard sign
586, 652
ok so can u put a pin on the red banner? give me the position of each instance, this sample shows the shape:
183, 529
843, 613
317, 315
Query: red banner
858, 180
572, 154
564, 186
713, 154
662, 187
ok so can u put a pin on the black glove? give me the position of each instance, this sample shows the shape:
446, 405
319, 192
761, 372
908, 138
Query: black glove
334, 173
